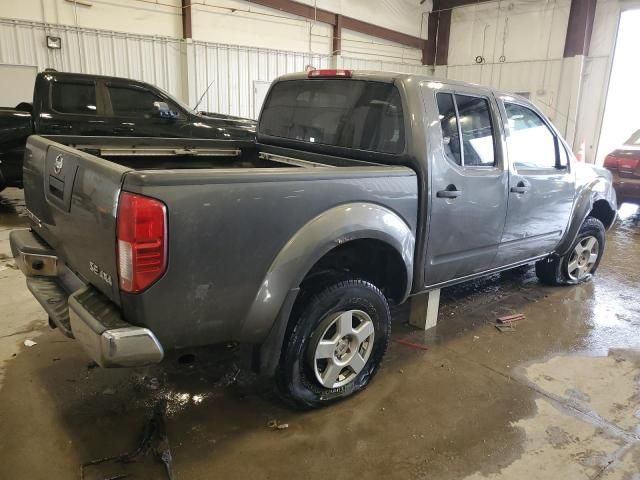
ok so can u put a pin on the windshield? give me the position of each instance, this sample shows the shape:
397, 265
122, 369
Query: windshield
175, 100
634, 140
363, 115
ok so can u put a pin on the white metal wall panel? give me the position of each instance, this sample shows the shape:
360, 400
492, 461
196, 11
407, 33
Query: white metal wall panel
383, 65
152, 59
540, 79
229, 73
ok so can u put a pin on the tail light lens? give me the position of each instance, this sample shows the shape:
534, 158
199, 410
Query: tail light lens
329, 73
611, 162
623, 161
142, 241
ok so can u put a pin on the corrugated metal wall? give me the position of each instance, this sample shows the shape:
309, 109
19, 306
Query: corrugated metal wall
232, 72
152, 59
384, 65
539, 79
235, 76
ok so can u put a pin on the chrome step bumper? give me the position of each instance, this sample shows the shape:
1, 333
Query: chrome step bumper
81, 311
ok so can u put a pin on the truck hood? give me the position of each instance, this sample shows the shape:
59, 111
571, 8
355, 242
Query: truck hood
597, 180
232, 121
588, 171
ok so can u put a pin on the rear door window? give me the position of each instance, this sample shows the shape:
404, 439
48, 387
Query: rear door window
356, 114
74, 97
467, 130
477, 132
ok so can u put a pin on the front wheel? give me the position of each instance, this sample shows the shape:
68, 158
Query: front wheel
334, 348
581, 262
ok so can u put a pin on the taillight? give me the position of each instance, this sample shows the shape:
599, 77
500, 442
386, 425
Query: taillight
142, 241
329, 73
611, 162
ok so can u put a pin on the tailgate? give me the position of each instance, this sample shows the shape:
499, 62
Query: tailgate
71, 197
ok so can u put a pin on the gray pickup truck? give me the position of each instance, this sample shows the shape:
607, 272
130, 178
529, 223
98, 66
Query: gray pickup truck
363, 188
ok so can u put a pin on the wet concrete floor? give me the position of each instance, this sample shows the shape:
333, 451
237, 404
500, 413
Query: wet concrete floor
557, 398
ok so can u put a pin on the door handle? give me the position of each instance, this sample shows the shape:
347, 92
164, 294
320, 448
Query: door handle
60, 127
450, 192
521, 187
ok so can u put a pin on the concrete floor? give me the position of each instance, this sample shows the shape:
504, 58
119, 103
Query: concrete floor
557, 398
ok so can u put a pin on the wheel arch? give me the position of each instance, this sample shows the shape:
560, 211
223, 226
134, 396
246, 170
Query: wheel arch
331, 231
596, 201
341, 230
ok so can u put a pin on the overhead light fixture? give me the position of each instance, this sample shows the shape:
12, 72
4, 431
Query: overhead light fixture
54, 42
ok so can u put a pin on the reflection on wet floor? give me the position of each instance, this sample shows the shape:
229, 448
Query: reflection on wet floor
533, 403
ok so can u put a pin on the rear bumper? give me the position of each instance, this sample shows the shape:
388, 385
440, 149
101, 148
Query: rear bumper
106, 337
79, 310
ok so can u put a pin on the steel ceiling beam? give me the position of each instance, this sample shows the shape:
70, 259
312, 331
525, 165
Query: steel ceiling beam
579, 28
340, 21
186, 19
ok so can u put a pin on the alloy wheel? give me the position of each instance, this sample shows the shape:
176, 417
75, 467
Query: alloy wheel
342, 348
583, 258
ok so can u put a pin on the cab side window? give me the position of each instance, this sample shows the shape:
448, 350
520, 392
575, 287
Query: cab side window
74, 97
467, 131
477, 131
133, 102
531, 144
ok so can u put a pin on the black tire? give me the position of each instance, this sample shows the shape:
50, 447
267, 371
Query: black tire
555, 270
295, 377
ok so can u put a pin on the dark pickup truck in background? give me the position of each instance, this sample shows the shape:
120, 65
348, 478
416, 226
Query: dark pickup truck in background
80, 104
362, 189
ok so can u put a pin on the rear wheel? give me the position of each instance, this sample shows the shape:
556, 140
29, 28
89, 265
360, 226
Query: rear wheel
334, 348
582, 261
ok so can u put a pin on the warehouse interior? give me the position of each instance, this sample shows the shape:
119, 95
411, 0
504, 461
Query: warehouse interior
492, 373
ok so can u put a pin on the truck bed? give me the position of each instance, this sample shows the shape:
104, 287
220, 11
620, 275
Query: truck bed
231, 208
181, 154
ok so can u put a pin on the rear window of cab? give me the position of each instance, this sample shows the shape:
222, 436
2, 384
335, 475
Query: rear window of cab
356, 114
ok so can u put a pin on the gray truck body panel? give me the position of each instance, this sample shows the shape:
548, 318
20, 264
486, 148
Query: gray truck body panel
239, 258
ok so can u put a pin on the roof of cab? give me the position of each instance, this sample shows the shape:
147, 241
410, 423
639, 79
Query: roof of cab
387, 76
57, 75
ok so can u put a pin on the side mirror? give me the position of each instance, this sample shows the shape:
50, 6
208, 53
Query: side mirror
163, 111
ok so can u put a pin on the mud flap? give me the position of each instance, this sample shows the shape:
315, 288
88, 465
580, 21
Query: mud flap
268, 354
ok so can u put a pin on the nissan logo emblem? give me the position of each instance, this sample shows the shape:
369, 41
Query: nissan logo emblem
57, 167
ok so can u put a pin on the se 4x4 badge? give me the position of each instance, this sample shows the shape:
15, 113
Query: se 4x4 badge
97, 271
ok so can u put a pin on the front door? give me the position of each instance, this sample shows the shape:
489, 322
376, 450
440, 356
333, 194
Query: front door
541, 186
134, 113
468, 183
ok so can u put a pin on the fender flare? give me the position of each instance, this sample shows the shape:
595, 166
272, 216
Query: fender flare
596, 190
309, 244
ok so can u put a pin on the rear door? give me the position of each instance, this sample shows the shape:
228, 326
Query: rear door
133, 112
74, 108
468, 182
541, 185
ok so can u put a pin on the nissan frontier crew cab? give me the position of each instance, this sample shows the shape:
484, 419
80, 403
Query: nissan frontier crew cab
363, 188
